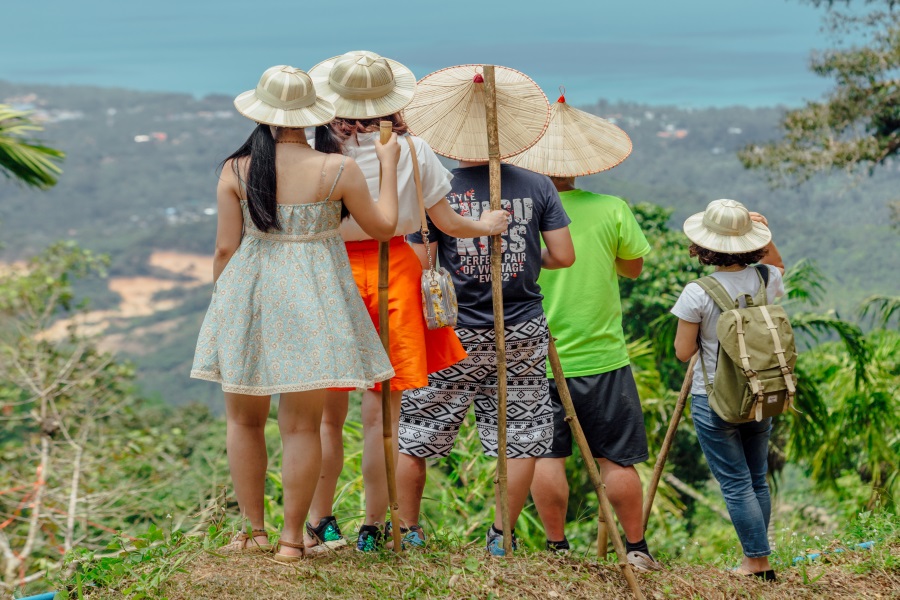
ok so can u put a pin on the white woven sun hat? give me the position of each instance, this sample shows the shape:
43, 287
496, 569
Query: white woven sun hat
725, 226
576, 143
364, 85
448, 112
285, 97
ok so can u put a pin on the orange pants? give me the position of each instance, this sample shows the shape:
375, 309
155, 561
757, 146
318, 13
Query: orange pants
415, 351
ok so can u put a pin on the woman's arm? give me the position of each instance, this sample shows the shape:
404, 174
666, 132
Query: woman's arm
559, 252
230, 225
686, 340
447, 220
377, 219
773, 256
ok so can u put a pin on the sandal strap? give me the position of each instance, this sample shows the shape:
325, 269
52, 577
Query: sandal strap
290, 545
256, 532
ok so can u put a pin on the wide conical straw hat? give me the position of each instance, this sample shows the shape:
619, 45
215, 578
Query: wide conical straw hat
285, 97
576, 144
364, 85
448, 112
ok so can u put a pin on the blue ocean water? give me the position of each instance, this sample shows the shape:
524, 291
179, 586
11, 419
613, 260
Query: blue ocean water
693, 53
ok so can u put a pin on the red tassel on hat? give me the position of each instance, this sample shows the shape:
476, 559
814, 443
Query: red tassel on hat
478, 78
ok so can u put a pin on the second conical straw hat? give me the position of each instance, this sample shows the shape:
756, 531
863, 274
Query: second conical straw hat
448, 112
576, 144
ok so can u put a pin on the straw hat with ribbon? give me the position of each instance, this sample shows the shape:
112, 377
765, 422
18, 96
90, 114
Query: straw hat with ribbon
725, 226
576, 144
364, 85
448, 112
285, 97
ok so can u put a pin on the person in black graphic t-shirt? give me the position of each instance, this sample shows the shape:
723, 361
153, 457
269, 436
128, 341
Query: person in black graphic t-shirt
430, 417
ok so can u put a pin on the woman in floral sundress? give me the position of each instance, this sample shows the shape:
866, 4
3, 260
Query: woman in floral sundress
286, 317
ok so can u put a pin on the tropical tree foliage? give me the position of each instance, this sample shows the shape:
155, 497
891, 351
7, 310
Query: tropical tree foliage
857, 125
21, 157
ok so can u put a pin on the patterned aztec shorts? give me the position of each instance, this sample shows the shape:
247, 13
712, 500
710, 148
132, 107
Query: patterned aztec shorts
430, 416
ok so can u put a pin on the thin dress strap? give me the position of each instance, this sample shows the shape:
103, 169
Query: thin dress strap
336, 179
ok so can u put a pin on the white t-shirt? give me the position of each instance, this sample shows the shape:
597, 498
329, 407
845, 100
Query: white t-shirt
695, 306
435, 182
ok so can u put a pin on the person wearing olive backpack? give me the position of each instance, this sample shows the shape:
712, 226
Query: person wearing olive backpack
732, 239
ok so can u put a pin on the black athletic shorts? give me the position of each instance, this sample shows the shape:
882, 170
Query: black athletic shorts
609, 410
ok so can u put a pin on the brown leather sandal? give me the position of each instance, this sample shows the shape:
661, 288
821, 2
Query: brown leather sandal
238, 544
289, 558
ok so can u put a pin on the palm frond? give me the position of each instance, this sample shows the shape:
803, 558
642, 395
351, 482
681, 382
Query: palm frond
22, 158
816, 325
804, 283
881, 308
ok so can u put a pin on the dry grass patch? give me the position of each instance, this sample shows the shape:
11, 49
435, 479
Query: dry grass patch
470, 574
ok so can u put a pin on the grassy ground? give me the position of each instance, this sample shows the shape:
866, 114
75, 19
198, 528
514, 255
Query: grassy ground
469, 573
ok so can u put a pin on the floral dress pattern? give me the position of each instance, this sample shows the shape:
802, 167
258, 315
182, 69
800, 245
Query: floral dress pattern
286, 315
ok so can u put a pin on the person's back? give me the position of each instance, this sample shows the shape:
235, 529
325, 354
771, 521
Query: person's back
534, 208
582, 302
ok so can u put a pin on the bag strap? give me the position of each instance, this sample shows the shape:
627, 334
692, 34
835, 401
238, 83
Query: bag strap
761, 298
423, 216
717, 292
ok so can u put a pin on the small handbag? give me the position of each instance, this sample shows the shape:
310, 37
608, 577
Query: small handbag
438, 294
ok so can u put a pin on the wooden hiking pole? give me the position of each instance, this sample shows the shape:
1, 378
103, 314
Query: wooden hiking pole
493, 134
387, 429
602, 534
667, 442
593, 470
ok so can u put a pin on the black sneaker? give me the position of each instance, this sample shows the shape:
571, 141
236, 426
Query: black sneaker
369, 539
327, 535
558, 547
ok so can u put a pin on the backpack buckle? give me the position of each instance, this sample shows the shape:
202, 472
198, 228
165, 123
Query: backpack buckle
750, 373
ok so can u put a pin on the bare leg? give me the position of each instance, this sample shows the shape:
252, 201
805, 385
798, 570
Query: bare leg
374, 475
411, 472
299, 419
519, 473
754, 565
623, 488
550, 492
334, 414
245, 441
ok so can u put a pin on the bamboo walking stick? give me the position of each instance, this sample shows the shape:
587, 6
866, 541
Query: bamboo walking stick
602, 534
387, 423
593, 470
490, 103
667, 442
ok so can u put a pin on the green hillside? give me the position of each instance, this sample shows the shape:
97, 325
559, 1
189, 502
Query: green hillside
140, 175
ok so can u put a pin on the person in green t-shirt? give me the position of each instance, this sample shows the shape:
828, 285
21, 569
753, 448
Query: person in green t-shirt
584, 313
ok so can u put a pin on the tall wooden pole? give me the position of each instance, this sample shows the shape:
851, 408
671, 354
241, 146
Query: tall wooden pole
667, 442
387, 423
493, 134
592, 469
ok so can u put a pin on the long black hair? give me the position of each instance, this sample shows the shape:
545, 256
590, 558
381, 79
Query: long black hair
328, 141
261, 181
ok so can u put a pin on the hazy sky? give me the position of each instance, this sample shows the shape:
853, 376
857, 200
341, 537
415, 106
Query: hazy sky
685, 52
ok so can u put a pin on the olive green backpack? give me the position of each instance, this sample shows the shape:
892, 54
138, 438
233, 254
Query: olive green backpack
754, 377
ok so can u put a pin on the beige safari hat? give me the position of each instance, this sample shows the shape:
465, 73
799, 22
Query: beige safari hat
448, 112
725, 226
576, 144
285, 97
364, 85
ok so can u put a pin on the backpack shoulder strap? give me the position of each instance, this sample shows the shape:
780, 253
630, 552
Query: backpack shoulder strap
761, 298
717, 292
